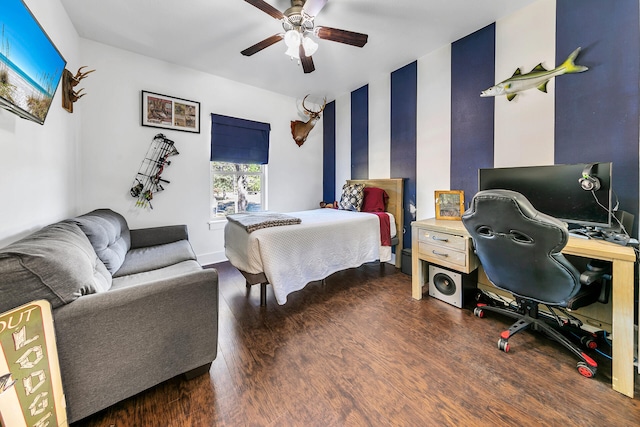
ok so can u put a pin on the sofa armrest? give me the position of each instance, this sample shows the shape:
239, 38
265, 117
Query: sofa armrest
144, 237
115, 344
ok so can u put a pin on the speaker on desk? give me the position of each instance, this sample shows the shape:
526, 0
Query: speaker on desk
623, 218
450, 286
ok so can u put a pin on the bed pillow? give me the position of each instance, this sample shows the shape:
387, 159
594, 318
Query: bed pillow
352, 197
375, 199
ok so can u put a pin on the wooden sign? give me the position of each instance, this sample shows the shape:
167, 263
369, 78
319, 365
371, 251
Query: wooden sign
30, 383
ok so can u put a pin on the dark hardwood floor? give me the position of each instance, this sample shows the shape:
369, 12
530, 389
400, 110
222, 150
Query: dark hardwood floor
359, 351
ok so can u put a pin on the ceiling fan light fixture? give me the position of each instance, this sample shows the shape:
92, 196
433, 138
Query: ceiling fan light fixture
310, 46
293, 52
292, 39
298, 23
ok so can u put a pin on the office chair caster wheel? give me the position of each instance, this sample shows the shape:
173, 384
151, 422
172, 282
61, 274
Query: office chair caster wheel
586, 370
478, 312
503, 345
589, 342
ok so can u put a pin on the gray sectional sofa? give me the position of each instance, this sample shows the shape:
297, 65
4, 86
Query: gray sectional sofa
131, 308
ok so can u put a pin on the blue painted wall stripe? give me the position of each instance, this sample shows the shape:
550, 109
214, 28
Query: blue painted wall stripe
360, 133
599, 108
404, 111
329, 152
472, 117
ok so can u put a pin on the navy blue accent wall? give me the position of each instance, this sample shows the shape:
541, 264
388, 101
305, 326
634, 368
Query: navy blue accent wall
597, 114
404, 105
472, 117
360, 133
329, 152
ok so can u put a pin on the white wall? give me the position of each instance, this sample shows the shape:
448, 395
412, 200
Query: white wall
38, 164
114, 144
525, 36
380, 128
433, 154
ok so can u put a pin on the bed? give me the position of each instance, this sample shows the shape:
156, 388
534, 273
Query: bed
288, 257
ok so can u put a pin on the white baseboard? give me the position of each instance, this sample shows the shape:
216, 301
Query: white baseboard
212, 258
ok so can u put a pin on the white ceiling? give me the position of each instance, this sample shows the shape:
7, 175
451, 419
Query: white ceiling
208, 35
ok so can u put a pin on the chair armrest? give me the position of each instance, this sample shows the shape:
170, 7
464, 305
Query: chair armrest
115, 344
144, 237
589, 277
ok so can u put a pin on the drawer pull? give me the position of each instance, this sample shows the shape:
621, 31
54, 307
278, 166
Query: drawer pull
439, 239
439, 253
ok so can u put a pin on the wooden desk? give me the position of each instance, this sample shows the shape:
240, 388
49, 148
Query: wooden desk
622, 258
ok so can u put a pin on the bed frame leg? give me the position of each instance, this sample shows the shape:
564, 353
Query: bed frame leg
263, 294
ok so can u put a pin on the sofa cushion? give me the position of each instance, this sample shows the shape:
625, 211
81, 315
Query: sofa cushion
56, 263
109, 234
155, 257
151, 276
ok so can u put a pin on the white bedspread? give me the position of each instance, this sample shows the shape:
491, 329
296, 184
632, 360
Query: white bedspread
290, 256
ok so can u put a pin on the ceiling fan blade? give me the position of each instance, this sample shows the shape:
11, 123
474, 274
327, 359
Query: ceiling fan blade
313, 7
306, 61
266, 8
263, 44
342, 36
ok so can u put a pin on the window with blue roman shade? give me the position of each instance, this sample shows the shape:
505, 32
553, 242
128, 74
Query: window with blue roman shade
239, 141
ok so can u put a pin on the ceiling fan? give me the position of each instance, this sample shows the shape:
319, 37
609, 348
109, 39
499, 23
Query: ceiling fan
298, 24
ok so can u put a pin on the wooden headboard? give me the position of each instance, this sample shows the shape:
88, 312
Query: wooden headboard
394, 188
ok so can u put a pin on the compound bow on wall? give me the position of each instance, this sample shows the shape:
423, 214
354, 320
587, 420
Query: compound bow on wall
148, 180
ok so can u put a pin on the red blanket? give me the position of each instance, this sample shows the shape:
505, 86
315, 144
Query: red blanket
385, 228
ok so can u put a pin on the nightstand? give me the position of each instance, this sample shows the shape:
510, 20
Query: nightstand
441, 242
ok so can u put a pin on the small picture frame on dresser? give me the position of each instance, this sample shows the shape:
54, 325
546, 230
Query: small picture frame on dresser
449, 204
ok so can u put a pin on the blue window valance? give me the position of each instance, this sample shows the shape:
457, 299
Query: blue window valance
238, 140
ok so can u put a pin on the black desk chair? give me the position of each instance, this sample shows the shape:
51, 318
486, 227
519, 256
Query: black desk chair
519, 249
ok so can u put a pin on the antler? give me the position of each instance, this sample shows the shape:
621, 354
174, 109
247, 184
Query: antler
310, 112
79, 76
69, 81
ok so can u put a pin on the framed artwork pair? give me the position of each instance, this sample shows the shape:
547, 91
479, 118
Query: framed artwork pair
168, 112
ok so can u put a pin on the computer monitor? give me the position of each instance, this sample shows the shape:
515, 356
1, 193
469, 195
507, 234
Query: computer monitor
555, 190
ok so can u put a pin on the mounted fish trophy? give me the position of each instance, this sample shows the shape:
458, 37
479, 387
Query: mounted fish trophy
299, 129
538, 78
69, 81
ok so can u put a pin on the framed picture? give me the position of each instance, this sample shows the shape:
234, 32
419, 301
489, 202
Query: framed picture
167, 112
449, 204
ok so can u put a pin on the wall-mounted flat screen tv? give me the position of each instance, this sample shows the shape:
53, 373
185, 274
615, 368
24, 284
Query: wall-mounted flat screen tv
30, 64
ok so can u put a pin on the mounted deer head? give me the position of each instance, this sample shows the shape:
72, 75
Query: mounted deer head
299, 129
69, 81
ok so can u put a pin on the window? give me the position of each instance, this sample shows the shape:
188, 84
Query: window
237, 187
239, 158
